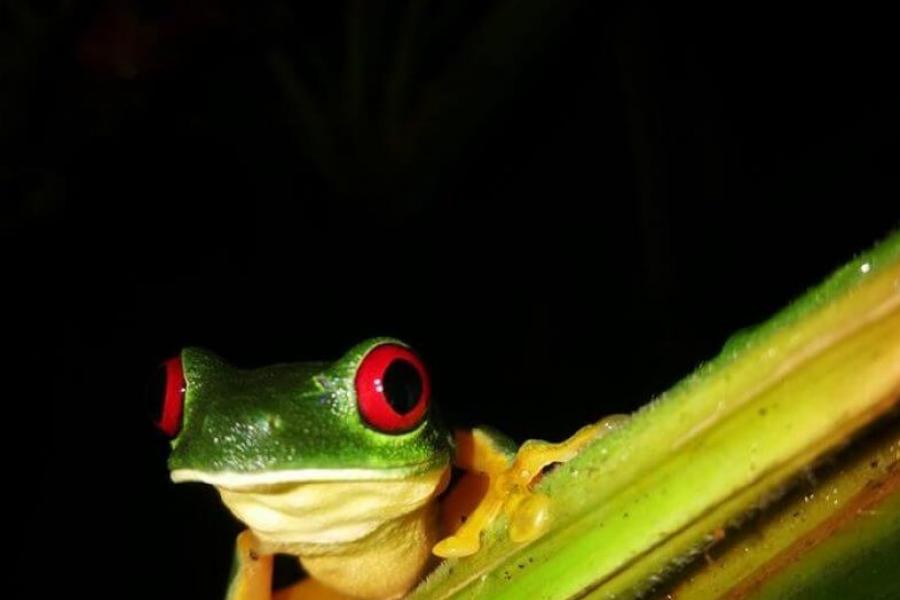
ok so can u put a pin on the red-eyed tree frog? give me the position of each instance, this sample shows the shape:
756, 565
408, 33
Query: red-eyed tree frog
344, 465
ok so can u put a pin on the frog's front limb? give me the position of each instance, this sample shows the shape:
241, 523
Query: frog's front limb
251, 571
251, 577
510, 477
308, 589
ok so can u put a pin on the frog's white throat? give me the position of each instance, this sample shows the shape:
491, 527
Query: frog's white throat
308, 514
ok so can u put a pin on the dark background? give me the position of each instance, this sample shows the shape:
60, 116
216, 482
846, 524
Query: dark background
564, 206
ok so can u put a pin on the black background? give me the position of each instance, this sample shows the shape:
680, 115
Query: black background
565, 207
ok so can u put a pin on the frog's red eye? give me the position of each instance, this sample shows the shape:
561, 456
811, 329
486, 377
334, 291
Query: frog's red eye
170, 385
392, 389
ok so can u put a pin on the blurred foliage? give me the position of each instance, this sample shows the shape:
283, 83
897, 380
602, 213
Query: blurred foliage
379, 99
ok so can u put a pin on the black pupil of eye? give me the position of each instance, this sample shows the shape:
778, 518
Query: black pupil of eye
402, 386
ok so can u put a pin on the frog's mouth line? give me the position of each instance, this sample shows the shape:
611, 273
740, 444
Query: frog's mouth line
238, 481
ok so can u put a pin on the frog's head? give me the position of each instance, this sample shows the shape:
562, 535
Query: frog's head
367, 416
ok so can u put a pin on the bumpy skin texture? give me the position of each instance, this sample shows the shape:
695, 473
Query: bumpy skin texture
290, 416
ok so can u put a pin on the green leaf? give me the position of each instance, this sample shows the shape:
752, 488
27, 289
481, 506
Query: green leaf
837, 535
638, 509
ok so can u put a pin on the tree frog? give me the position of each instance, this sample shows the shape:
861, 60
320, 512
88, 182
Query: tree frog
344, 465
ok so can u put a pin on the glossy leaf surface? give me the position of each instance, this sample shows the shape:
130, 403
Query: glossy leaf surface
634, 511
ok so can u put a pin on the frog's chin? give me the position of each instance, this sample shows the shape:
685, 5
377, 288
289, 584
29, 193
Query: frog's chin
236, 480
314, 516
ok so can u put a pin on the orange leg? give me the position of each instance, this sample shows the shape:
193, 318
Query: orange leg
251, 577
308, 589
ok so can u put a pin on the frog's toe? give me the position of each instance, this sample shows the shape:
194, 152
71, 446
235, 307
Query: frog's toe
530, 518
536, 455
457, 546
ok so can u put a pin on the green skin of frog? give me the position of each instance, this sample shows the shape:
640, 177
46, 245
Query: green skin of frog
343, 465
